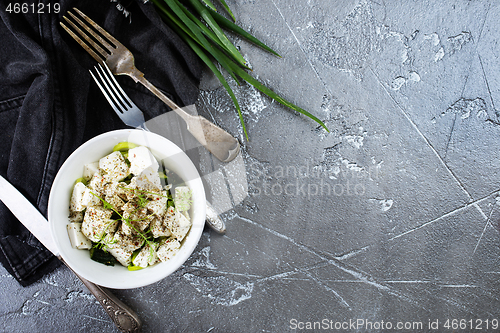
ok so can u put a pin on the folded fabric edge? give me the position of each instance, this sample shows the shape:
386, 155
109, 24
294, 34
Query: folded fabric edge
46, 262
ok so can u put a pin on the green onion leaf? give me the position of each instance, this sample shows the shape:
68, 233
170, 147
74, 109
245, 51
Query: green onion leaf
211, 35
203, 56
210, 4
227, 9
205, 14
190, 29
247, 77
225, 23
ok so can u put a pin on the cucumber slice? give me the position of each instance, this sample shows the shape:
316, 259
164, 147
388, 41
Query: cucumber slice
131, 267
124, 146
102, 257
81, 180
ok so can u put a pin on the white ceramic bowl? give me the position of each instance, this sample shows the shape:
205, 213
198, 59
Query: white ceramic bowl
119, 277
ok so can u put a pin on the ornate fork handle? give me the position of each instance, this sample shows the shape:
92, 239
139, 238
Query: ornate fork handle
125, 319
219, 142
121, 62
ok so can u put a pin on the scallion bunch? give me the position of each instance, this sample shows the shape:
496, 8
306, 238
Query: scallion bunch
199, 24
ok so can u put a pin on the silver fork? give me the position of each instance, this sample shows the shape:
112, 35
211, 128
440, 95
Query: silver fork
128, 112
108, 50
132, 116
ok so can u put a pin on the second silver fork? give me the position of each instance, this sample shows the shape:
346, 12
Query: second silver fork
132, 116
108, 50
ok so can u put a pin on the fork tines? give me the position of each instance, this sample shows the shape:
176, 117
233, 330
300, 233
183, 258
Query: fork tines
98, 42
113, 92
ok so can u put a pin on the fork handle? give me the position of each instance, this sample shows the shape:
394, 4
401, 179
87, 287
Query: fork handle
125, 319
138, 77
216, 140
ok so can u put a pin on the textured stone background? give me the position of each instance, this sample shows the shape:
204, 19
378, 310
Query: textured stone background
392, 216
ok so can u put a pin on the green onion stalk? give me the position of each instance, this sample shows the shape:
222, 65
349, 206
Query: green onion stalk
199, 24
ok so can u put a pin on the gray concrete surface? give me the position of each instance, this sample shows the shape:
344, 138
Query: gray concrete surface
391, 218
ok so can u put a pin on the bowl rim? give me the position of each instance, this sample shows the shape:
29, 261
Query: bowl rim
119, 277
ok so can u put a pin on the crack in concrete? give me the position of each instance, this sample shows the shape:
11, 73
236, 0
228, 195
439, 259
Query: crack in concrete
362, 277
487, 85
449, 137
475, 48
354, 252
433, 283
318, 281
333, 261
464, 108
98, 319
412, 123
294, 270
480, 211
431, 221
452, 302
215, 270
302, 49
488, 219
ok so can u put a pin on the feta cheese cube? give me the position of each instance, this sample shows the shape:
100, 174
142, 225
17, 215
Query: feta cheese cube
169, 216
158, 204
127, 191
179, 226
123, 256
81, 198
110, 188
76, 217
89, 170
97, 184
115, 201
147, 180
77, 202
137, 219
147, 256
158, 229
159, 225
97, 223
128, 243
114, 166
77, 238
168, 249
141, 158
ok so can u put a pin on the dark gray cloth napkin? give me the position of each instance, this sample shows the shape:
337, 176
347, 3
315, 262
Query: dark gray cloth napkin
49, 105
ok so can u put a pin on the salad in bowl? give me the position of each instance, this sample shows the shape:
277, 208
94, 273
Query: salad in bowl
127, 209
